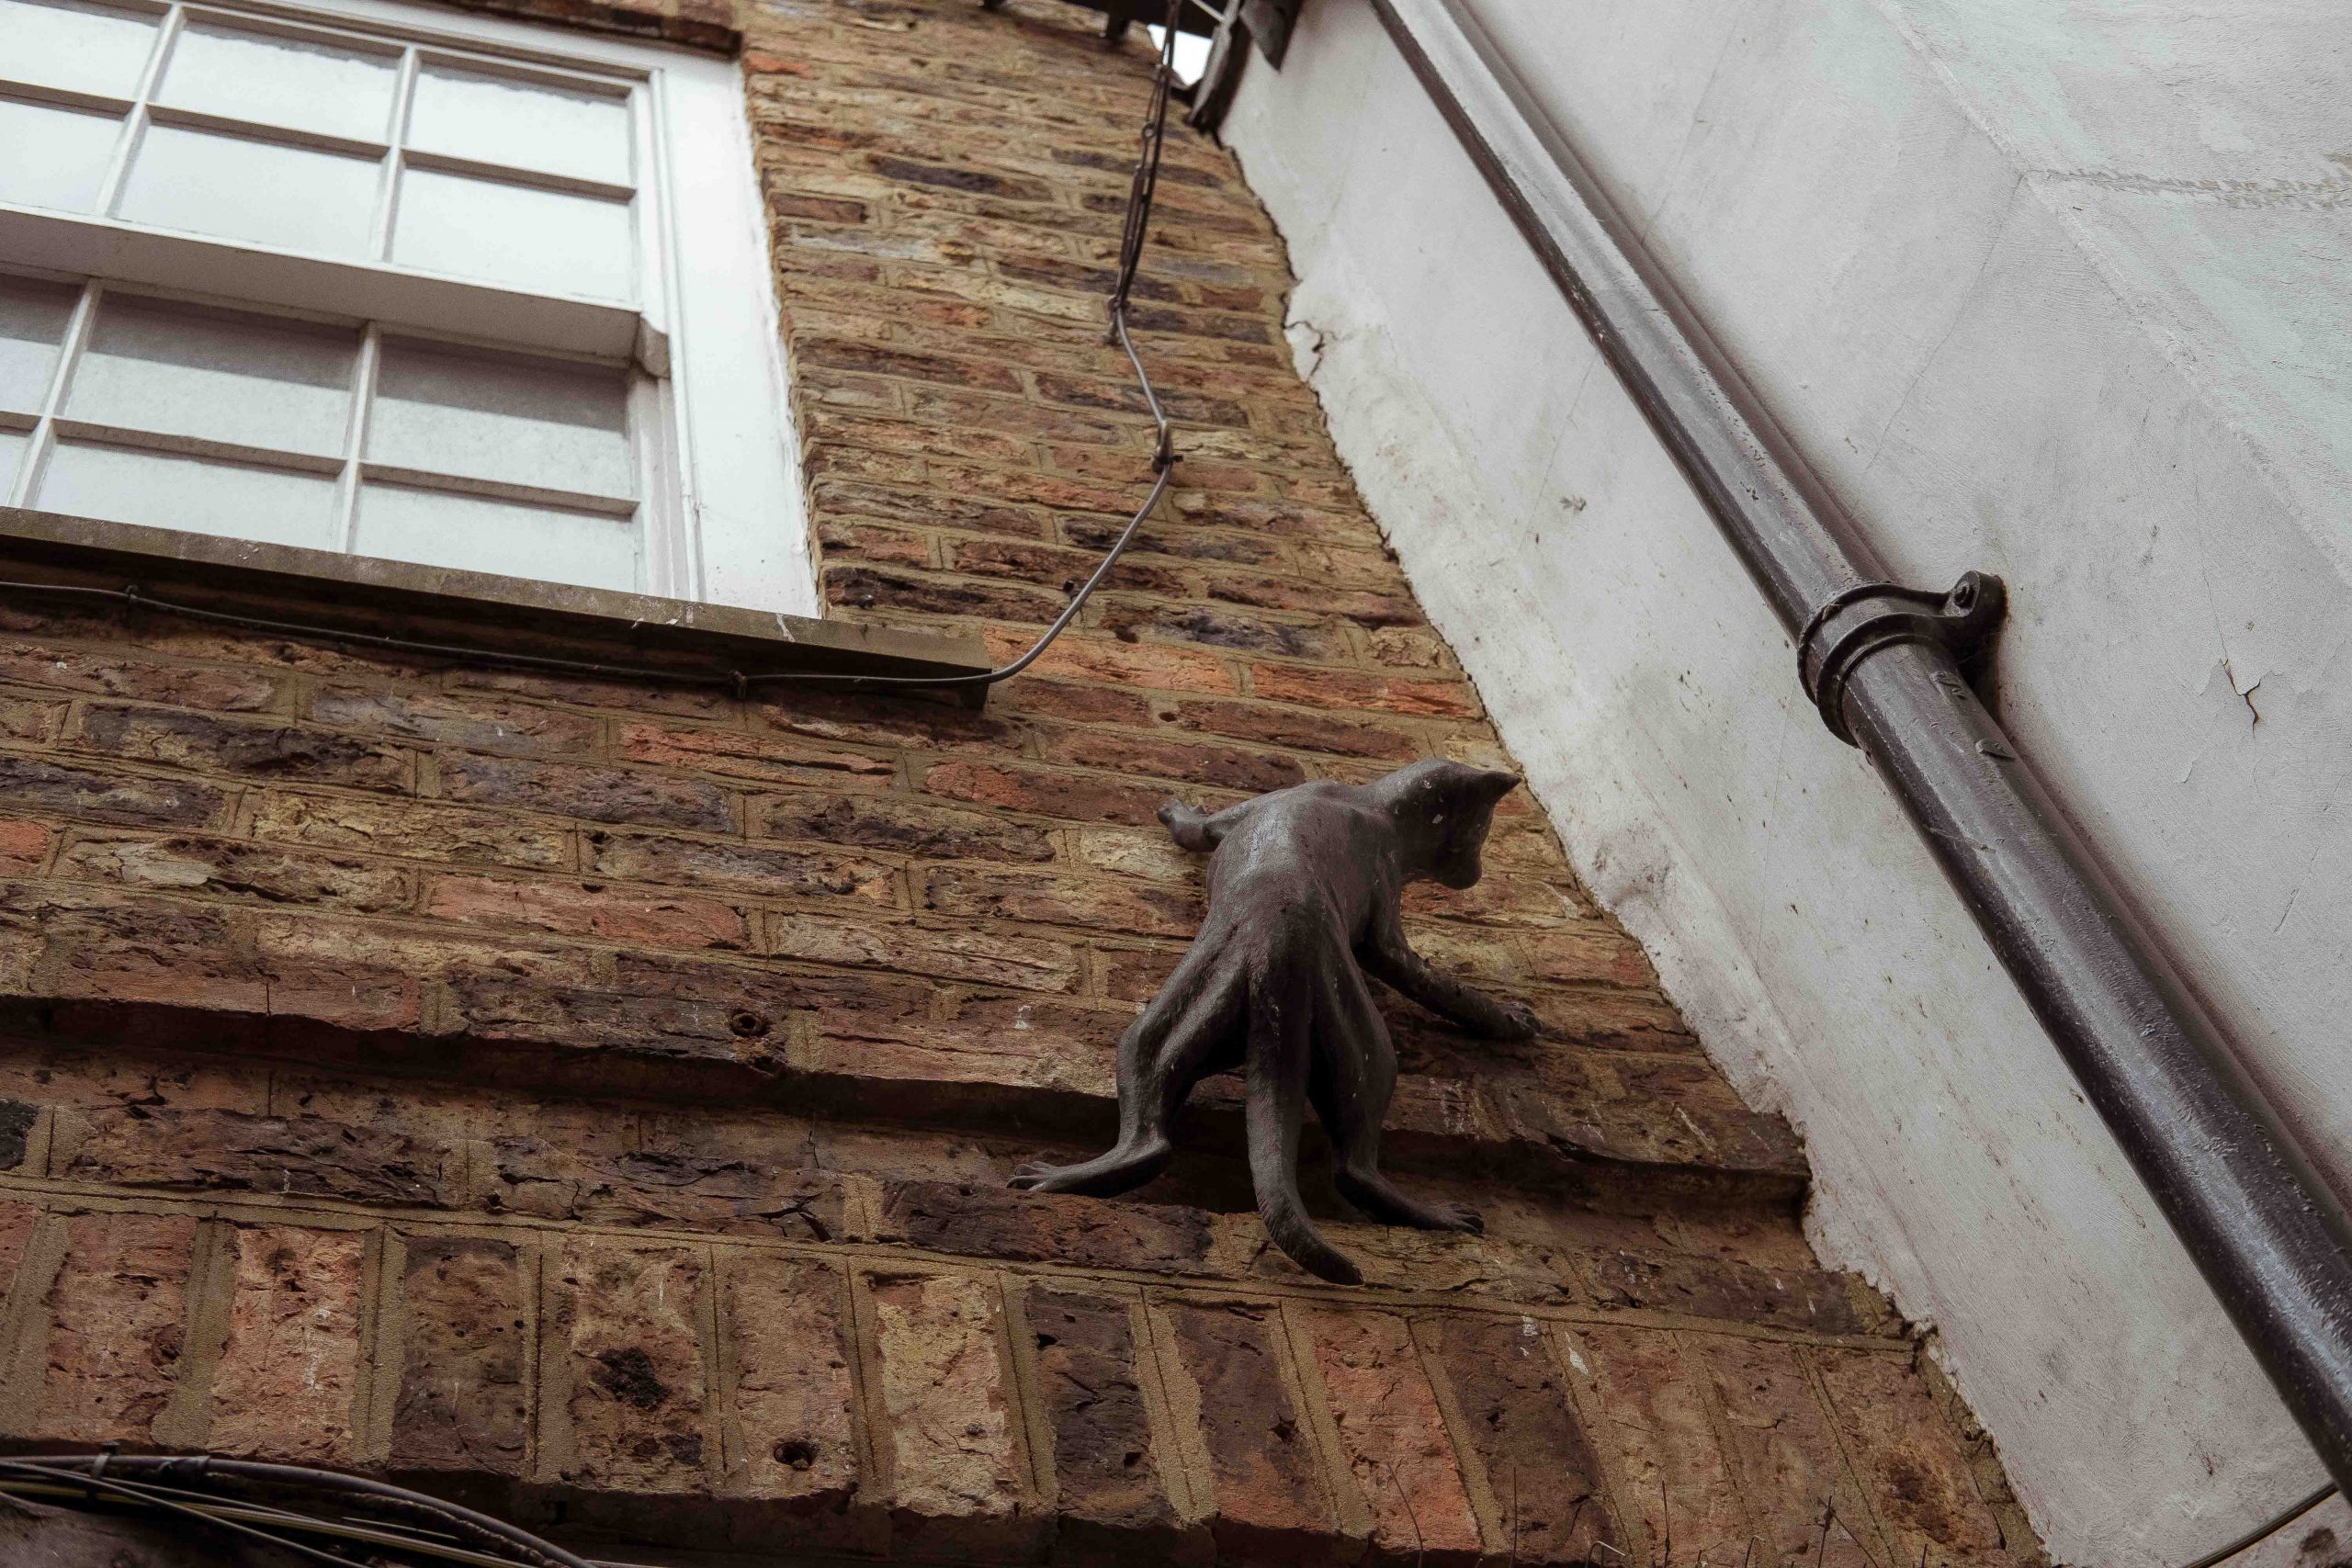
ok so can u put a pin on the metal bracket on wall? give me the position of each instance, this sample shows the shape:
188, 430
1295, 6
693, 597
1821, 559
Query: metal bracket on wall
1869, 616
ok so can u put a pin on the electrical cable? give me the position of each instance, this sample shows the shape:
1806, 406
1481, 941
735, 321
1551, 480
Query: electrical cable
122, 1473
2264, 1532
1133, 233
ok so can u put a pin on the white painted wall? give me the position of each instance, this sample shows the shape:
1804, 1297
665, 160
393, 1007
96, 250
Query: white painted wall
2058, 291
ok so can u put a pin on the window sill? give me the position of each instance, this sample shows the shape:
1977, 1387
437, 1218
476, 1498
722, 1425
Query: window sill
491, 618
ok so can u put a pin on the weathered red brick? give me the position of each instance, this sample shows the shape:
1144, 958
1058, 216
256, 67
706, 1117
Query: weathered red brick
1801, 1502
1675, 1477
288, 1376
784, 1329
1550, 1498
886, 822
212, 1149
799, 874
957, 955
1913, 1472
463, 1403
1064, 569
1110, 1484
1156, 666
868, 588
600, 794
1290, 726
843, 540
23, 847
113, 948
913, 721
30, 784
625, 1325
1088, 903
232, 868
1082, 798
1713, 1287
948, 1435
1593, 952
1223, 766
770, 758
118, 1326
246, 747
989, 1221
410, 829
113, 672
1392, 1436
717, 1192
1365, 608
1269, 1499
612, 914
466, 721
17, 1220
835, 354
1348, 689
1215, 627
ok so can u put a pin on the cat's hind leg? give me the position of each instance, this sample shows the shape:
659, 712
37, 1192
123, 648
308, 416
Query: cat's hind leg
1162, 1054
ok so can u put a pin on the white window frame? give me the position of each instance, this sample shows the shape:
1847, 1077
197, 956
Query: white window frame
723, 514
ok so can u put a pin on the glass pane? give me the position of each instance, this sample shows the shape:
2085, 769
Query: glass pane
256, 380
281, 81
537, 422
90, 49
13, 446
32, 323
165, 490
73, 146
532, 238
289, 196
474, 534
496, 120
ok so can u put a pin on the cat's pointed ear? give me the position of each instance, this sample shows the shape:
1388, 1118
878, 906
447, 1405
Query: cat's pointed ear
1492, 784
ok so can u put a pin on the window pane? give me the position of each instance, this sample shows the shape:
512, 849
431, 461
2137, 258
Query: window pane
497, 119
13, 446
32, 323
292, 197
256, 380
90, 49
535, 421
163, 489
281, 81
461, 531
71, 164
514, 234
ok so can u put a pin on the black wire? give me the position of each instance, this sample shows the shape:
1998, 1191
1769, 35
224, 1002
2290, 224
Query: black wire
204, 1470
150, 1498
2264, 1532
1140, 193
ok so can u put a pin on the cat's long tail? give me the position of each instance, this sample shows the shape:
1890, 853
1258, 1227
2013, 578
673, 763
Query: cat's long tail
1282, 1036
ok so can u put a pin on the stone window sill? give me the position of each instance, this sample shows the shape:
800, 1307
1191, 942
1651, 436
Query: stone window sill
489, 616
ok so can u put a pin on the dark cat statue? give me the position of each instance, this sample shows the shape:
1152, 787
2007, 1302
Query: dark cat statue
1303, 891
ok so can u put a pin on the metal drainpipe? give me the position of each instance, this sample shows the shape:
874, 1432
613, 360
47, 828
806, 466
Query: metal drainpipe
1881, 663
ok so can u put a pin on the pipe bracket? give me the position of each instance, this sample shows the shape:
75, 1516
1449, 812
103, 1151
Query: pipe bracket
1869, 616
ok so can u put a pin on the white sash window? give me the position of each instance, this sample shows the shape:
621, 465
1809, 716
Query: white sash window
395, 283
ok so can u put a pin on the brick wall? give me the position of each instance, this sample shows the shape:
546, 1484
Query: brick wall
597, 1099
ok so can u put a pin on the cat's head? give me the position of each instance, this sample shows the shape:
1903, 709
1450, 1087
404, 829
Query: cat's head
1443, 811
